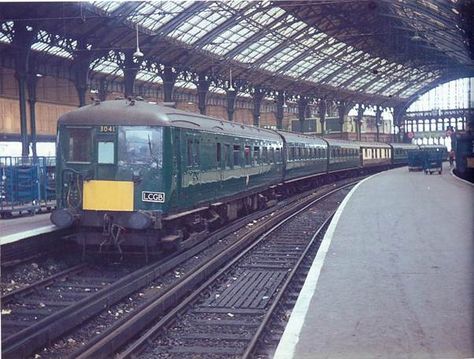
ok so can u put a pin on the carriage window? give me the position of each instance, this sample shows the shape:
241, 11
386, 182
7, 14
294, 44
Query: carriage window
218, 153
227, 155
292, 153
278, 155
272, 155
80, 144
190, 152
105, 153
196, 155
236, 155
265, 155
247, 155
256, 155
140, 145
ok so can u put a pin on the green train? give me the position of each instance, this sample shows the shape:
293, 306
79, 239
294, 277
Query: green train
129, 171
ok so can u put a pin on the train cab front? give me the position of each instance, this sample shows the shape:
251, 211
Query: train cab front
110, 176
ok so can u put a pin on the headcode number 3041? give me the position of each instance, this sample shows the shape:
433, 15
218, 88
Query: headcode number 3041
107, 129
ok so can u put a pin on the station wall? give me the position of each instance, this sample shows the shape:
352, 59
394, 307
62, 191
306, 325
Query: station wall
55, 96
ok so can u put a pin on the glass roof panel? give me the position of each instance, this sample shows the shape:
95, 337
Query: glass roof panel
232, 37
5, 33
323, 71
342, 76
360, 82
281, 58
303, 66
257, 49
148, 76
376, 86
107, 6
53, 50
153, 15
201, 23
107, 66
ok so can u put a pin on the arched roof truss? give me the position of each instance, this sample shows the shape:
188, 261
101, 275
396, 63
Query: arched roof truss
362, 50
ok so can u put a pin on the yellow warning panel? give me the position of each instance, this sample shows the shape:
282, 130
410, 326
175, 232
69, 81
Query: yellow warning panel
108, 196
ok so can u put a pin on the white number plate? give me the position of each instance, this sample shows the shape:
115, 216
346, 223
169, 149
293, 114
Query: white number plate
157, 197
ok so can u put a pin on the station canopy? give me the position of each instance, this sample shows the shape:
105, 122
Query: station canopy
379, 52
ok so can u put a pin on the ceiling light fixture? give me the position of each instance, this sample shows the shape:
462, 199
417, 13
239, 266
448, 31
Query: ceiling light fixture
137, 52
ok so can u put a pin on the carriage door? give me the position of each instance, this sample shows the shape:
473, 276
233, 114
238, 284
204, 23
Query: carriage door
106, 151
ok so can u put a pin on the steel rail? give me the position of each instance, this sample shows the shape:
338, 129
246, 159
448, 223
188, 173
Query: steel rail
43, 282
108, 345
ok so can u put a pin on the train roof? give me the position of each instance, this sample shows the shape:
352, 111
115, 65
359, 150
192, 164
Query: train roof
342, 143
123, 113
406, 146
374, 144
294, 137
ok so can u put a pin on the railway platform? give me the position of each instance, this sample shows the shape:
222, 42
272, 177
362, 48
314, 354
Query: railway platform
394, 275
16, 229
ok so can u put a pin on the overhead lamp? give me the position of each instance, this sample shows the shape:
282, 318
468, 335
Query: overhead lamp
284, 102
137, 52
416, 37
231, 88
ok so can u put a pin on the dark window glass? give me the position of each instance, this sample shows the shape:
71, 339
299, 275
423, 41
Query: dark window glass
265, 155
218, 153
227, 155
256, 155
247, 155
196, 154
190, 152
236, 155
272, 155
80, 142
278, 155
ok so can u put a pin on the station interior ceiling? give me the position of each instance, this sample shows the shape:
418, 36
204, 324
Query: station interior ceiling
379, 52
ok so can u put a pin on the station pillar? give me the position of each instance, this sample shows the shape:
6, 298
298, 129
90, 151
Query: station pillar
202, 90
341, 110
280, 110
258, 96
168, 76
231, 96
378, 117
322, 108
32, 82
302, 104
360, 115
22, 40
103, 88
130, 69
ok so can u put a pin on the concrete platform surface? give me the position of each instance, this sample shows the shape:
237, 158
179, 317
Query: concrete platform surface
15, 229
394, 276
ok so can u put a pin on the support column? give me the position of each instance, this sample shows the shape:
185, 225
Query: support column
169, 79
22, 41
398, 113
80, 71
202, 90
378, 116
130, 69
302, 103
322, 114
32, 82
360, 115
258, 96
103, 89
341, 108
231, 96
280, 110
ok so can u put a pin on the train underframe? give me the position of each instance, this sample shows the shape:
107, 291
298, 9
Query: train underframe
107, 232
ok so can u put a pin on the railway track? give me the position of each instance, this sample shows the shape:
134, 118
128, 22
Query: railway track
42, 321
239, 292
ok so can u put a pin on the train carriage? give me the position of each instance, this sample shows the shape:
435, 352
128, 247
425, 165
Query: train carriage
139, 166
374, 154
400, 152
343, 155
305, 155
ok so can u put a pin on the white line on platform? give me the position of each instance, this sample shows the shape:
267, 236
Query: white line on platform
459, 178
290, 337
